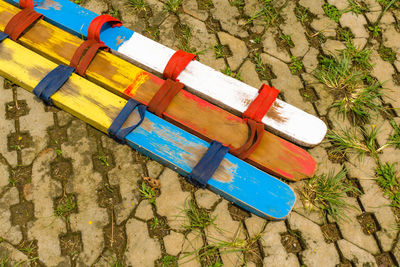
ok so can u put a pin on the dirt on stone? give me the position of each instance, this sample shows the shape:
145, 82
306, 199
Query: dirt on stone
291, 243
237, 213
368, 223
331, 232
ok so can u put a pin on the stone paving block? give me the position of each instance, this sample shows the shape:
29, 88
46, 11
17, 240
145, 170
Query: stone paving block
325, 25
36, 122
287, 83
390, 154
339, 4
391, 37
173, 243
13, 256
310, 60
374, 10
191, 7
96, 6
129, 17
125, 176
352, 232
314, 6
355, 254
255, 225
11, 233
172, 199
275, 253
7, 126
271, 48
313, 214
294, 28
332, 47
375, 202
203, 41
141, 249
191, 247
227, 14
357, 24
158, 11
154, 168
85, 182
4, 175
249, 74
205, 198
144, 210
317, 252
237, 47
167, 34
47, 227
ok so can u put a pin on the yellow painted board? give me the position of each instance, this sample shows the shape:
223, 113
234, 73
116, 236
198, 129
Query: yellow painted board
81, 98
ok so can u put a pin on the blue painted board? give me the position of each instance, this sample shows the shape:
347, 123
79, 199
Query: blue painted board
76, 19
236, 180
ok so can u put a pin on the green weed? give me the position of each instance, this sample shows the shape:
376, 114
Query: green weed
219, 51
148, 193
169, 261
173, 5
395, 138
395, 4
237, 3
388, 179
198, 218
138, 4
260, 66
328, 192
103, 160
375, 30
303, 14
229, 72
361, 143
387, 54
287, 40
59, 152
257, 40
28, 250
269, 13
296, 65
332, 12
65, 206
356, 7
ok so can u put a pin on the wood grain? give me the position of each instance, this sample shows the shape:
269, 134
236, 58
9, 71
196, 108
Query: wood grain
239, 182
187, 111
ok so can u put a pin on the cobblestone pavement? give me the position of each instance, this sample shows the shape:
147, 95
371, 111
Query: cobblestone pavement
71, 196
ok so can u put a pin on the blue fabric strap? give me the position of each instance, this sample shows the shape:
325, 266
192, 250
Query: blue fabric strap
115, 130
208, 164
3, 36
52, 82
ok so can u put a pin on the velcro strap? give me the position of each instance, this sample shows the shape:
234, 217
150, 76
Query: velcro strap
256, 130
263, 102
52, 82
209, 163
20, 22
3, 36
97, 23
160, 101
26, 3
115, 130
84, 55
177, 63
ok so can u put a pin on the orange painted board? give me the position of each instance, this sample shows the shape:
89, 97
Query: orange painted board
274, 155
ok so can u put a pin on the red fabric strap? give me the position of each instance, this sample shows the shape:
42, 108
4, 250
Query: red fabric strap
256, 133
160, 101
26, 4
263, 102
84, 55
177, 63
20, 22
97, 23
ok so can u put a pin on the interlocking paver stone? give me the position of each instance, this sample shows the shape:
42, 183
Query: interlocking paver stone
12, 233
355, 254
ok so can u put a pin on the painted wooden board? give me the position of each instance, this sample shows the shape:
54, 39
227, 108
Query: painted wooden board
239, 182
186, 110
283, 119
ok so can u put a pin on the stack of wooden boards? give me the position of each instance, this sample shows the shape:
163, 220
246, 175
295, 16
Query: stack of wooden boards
236, 180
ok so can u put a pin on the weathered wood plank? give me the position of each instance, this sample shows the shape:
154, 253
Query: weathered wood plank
231, 94
186, 110
236, 180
